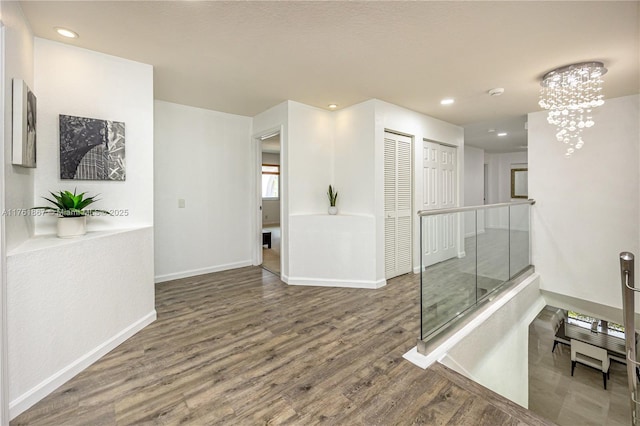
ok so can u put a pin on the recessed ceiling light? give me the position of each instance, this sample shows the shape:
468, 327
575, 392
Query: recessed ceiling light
491, 130
502, 134
64, 32
447, 101
333, 106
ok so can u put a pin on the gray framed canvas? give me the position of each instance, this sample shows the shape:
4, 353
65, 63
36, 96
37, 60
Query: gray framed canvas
24, 125
91, 149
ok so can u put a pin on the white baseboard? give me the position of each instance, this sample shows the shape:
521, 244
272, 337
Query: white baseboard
334, 283
474, 233
416, 269
201, 271
44, 388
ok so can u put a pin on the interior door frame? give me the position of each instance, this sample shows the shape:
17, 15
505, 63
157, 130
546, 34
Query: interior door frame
257, 239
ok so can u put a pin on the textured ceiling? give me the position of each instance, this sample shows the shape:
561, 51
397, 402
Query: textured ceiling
244, 57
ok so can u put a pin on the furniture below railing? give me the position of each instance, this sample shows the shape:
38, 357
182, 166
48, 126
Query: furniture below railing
590, 355
613, 344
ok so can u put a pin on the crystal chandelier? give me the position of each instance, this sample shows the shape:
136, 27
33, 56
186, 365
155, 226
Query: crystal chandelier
570, 93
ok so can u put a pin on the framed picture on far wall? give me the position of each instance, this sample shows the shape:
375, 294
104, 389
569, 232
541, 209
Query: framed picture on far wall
24, 125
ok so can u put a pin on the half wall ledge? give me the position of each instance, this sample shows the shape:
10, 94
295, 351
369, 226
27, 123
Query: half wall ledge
47, 241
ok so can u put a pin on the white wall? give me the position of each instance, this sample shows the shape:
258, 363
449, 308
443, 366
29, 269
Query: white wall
587, 206
333, 251
346, 241
270, 208
310, 156
70, 302
84, 83
420, 127
310, 160
499, 191
495, 353
18, 181
16, 188
59, 323
473, 176
204, 158
500, 166
355, 159
473, 188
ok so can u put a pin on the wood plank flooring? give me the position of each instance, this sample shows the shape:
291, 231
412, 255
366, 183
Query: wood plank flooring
242, 348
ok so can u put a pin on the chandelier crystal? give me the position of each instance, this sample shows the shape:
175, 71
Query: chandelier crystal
570, 93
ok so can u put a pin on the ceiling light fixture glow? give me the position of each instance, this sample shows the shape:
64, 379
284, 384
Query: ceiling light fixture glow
569, 94
64, 32
333, 106
501, 134
447, 101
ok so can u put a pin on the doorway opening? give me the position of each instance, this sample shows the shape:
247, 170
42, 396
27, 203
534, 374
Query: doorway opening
270, 195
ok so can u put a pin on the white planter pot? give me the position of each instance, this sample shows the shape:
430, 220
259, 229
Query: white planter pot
333, 210
70, 227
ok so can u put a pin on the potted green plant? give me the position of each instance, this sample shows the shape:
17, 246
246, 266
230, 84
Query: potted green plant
72, 212
333, 197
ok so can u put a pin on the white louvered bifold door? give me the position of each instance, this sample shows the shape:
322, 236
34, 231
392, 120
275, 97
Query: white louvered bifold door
389, 205
397, 204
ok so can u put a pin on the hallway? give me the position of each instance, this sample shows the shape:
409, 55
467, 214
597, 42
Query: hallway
241, 347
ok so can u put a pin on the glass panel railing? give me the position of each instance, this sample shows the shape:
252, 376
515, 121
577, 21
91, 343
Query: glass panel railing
466, 255
493, 250
451, 286
519, 240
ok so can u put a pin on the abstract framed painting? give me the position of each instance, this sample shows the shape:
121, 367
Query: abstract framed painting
24, 125
91, 149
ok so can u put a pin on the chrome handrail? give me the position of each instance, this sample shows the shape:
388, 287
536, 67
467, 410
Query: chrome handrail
469, 208
628, 311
